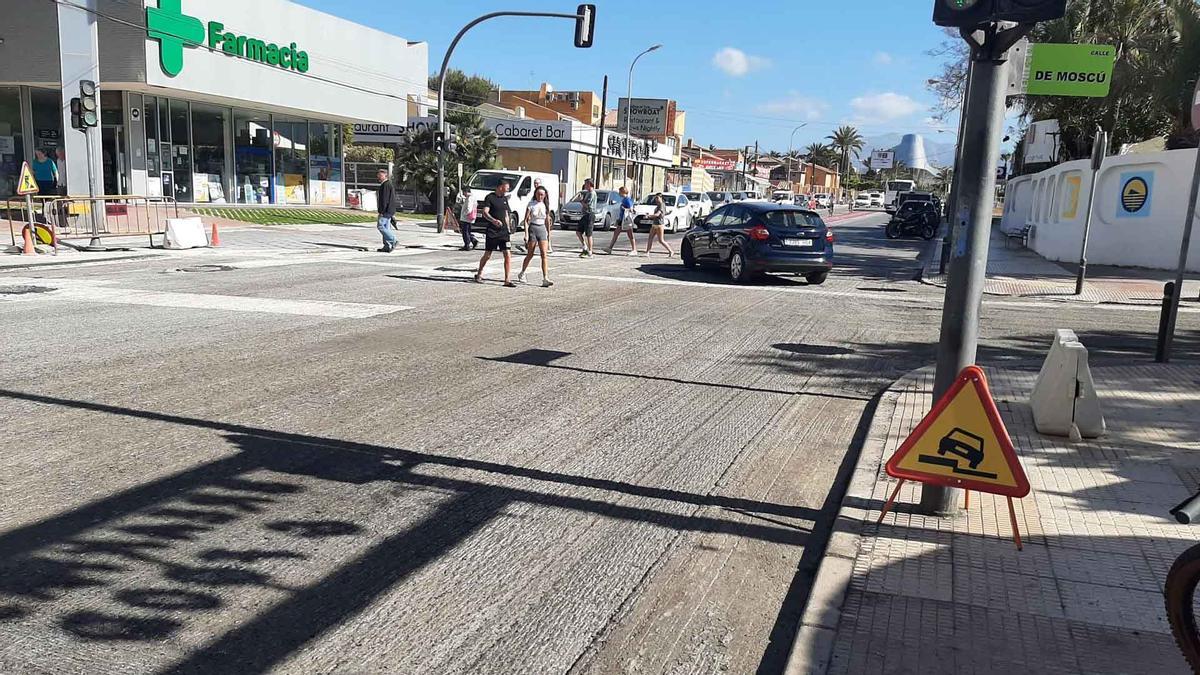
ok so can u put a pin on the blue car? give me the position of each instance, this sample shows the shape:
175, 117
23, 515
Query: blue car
754, 238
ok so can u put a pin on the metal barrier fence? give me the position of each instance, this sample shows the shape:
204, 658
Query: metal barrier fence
92, 217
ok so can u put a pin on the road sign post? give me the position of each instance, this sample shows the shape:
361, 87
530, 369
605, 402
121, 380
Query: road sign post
1099, 150
972, 220
1177, 292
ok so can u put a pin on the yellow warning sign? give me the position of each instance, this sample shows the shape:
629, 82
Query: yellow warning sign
962, 443
27, 185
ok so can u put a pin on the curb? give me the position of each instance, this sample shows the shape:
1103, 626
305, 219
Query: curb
65, 263
813, 645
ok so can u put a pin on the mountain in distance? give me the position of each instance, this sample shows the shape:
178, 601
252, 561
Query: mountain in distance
937, 152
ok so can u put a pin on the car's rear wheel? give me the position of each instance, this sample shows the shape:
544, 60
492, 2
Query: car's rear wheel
816, 278
687, 255
738, 271
928, 231
607, 222
893, 230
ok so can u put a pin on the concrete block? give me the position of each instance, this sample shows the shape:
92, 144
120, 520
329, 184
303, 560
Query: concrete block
185, 233
1064, 400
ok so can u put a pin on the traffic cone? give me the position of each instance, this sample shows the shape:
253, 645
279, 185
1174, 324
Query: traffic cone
215, 239
27, 235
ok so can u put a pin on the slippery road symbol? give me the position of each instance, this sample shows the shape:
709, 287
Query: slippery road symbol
963, 445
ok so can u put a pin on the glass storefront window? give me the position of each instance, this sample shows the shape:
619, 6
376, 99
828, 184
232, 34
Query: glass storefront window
291, 161
46, 107
252, 158
181, 156
325, 164
112, 143
209, 132
12, 148
153, 167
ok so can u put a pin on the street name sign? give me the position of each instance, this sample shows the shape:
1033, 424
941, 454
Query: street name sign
1069, 70
962, 443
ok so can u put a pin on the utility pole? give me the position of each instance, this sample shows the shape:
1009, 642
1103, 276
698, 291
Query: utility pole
599, 170
972, 220
1099, 150
952, 200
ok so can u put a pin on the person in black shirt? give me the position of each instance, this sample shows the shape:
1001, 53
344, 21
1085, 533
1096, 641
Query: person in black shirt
385, 196
495, 213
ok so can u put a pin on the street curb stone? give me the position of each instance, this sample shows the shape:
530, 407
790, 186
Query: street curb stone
813, 646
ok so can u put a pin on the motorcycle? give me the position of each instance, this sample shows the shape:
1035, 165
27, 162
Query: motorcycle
914, 219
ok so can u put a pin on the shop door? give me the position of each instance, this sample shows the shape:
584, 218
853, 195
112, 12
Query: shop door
115, 162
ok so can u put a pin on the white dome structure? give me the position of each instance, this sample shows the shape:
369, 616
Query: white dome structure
911, 151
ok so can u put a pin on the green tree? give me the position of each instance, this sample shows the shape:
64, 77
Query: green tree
819, 153
469, 90
416, 161
846, 141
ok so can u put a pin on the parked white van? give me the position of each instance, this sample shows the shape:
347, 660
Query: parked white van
520, 191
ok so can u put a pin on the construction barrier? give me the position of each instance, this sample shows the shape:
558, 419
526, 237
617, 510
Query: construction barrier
1064, 400
184, 233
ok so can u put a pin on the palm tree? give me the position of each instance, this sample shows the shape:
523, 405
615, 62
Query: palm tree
819, 153
846, 141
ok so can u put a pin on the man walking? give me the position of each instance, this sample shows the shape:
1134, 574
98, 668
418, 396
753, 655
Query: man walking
587, 224
385, 198
624, 222
495, 212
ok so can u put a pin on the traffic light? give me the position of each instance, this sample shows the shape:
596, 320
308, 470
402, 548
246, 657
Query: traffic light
585, 26
439, 141
77, 115
89, 107
451, 139
972, 13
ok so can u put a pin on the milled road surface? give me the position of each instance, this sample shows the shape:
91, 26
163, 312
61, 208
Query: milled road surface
352, 462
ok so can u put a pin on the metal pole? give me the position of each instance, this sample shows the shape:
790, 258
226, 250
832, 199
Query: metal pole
441, 154
1184, 246
597, 172
94, 244
952, 199
972, 221
628, 104
1099, 150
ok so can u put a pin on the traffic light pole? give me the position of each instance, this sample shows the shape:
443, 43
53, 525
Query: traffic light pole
952, 198
972, 221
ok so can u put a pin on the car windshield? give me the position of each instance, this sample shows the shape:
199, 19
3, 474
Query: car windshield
716, 196
669, 200
781, 195
739, 195
489, 181
602, 196
693, 195
792, 218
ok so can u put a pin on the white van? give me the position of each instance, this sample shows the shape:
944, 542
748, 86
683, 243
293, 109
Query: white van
520, 191
783, 196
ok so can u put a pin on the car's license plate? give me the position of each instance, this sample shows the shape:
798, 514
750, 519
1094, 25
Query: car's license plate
799, 243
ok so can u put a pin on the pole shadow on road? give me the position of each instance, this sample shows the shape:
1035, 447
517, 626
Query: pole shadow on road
74, 566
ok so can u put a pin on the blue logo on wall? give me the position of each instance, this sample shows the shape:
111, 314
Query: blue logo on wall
1137, 190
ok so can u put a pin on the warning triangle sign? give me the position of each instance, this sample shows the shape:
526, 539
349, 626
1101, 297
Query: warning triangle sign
27, 185
962, 443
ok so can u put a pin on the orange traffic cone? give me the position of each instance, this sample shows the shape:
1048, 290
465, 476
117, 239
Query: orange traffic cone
27, 235
215, 239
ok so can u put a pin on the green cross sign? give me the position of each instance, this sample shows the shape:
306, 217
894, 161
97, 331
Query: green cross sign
174, 30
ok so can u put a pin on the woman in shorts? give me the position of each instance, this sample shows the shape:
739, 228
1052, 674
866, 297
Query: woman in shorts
537, 235
658, 226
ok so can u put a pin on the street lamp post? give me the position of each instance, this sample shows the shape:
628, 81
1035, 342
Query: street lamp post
791, 140
628, 104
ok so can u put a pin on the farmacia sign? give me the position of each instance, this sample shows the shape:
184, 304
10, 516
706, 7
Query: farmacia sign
175, 30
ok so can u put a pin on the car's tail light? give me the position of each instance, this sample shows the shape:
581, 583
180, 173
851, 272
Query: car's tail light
759, 233
829, 235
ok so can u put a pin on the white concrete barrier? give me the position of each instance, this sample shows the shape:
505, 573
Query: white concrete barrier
1064, 400
185, 233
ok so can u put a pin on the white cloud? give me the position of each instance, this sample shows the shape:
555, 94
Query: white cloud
883, 108
883, 59
736, 63
796, 105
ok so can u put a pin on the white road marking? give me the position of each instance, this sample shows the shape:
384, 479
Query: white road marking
889, 297
92, 291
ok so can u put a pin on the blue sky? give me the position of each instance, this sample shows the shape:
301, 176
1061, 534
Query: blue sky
742, 72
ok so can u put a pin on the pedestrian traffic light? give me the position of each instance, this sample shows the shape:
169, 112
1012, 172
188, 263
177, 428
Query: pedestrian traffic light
77, 115
585, 26
88, 105
972, 13
439, 141
451, 139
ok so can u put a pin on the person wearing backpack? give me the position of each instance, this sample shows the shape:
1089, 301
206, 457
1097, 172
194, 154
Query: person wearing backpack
625, 222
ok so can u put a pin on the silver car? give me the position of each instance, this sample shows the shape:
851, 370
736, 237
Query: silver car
608, 210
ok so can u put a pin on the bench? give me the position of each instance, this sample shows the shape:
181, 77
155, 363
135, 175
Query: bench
1021, 236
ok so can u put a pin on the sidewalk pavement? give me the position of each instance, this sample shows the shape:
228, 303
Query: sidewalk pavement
1020, 272
921, 594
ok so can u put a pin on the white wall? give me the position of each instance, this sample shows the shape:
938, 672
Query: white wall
387, 67
1054, 201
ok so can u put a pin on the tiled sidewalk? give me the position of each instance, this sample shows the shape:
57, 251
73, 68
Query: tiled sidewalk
919, 594
1018, 272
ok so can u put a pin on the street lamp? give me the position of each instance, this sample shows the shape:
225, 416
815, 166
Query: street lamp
628, 102
792, 139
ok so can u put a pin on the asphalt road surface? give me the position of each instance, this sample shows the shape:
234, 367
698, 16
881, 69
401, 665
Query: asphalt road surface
333, 461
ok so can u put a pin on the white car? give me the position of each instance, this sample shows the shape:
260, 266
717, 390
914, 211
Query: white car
677, 218
752, 196
783, 197
720, 199
699, 204
876, 198
862, 201
823, 201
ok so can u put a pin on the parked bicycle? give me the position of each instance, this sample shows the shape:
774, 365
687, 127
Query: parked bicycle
1180, 589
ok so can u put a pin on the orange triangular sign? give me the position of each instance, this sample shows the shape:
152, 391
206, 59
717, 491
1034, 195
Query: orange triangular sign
27, 185
962, 443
